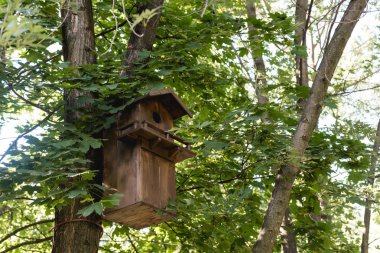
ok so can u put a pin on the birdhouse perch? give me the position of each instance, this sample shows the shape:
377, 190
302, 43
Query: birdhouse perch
140, 156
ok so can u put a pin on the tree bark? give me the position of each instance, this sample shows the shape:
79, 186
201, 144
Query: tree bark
260, 75
300, 41
371, 181
301, 22
288, 239
147, 31
73, 234
307, 123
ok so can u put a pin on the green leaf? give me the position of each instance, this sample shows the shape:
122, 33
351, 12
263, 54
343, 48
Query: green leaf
300, 51
206, 123
75, 193
84, 147
112, 200
86, 211
194, 45
94, 143
98, 207
112, 86
217, 145
64, 143
243, 52
302, 91
330, 103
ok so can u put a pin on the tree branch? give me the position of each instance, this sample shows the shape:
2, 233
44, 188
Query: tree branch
112, 29
132, 243
287, 174
23, 228
327, 42
215, 183
27, 132
117, 26
25, 100
36, 241
354, 91
307, 22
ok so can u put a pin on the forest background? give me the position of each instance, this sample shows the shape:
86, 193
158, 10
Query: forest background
245, 69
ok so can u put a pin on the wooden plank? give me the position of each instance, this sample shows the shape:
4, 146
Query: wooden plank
167, 182
169, 99
158, 187
140, 215
150, 171
121, 161
164, 149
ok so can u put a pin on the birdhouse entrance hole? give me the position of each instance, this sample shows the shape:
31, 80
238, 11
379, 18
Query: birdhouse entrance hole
156, 117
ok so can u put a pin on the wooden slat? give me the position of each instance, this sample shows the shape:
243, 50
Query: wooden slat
167, 146
169, 99
140, 215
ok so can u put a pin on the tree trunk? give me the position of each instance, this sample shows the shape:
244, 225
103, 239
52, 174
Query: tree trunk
300, 41
260, 75
73, 234
289, 242
288, 239
136, 43
287, 173
301, 21
371, 181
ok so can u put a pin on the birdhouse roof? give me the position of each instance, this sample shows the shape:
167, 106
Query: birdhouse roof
172, 103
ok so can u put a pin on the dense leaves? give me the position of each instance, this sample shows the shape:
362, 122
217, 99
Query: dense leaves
202, 52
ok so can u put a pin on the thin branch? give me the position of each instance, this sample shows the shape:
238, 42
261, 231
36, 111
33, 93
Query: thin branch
374, 240
36, 241
204, 9
307, 22
176, 233
23, 228
27, 101
112, 29
117, 26
249, 77
324, 16
100, 247
24, 69
331, 27
132, 243
219, 182
14, 143
42, 233
354, 91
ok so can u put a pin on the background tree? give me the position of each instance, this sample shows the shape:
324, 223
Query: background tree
307, 123
371, 181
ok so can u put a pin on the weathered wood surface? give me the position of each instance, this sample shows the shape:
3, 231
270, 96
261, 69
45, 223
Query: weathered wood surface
140, 215
144, 178
152, 112
139, 161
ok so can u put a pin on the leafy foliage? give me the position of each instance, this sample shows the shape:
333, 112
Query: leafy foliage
224, 190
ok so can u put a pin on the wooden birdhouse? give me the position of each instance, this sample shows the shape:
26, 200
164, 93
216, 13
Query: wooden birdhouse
140, 156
